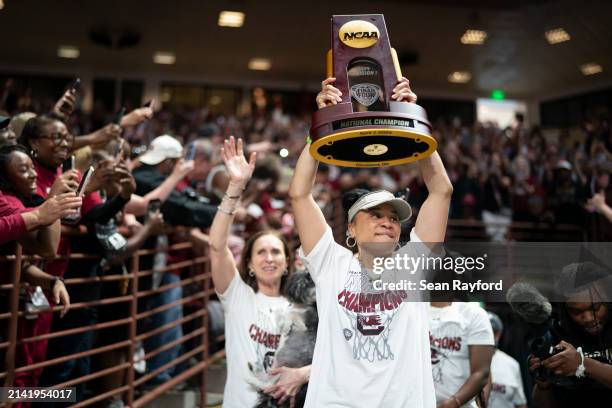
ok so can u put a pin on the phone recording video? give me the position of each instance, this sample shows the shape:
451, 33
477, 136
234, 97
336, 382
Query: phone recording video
85, 180
121, 151
68, 164
191, 151
76, 85
153, 207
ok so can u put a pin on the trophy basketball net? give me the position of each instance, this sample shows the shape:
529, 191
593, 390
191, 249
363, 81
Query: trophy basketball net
367, 129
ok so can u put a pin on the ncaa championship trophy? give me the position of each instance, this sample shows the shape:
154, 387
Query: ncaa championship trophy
367, 129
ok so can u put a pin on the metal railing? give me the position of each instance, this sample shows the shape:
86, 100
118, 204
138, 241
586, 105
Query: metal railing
199, 277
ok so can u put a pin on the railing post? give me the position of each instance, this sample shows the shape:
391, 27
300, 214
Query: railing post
11, 351
205, 267
133, 329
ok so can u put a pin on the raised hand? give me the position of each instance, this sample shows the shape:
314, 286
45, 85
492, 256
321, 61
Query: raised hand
138, 115
402, 91
239, 170
57, 207
67, 182
182, 168
106, 134
66, 104
329, 95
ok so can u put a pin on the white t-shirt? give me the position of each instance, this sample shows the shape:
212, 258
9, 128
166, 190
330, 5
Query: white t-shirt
452, 330
372, 349
507, 388
251, 336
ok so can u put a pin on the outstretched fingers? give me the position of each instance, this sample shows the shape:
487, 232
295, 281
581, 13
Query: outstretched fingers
252, 160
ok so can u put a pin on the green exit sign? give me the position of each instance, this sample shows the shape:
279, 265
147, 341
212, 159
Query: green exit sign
498, 95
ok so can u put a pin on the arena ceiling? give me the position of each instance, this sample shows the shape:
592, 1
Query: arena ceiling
295, 35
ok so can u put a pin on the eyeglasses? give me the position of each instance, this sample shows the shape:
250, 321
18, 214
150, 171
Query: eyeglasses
58, 138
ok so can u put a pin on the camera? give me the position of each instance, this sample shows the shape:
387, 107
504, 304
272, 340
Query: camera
545, 347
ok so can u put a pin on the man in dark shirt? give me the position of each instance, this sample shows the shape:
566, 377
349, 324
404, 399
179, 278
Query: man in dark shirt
179, 208
157, 164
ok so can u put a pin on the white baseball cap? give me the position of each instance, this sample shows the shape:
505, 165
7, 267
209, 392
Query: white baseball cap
162, 148
376, 198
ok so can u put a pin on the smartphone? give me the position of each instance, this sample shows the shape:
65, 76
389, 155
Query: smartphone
76, 85
153, 207
190, 154
85, 180
74, 88
68, 164
120, 153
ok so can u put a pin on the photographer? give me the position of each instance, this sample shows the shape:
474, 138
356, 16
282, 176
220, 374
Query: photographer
579, 373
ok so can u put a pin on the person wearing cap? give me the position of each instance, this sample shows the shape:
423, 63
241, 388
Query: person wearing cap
564, 195
7, 136
372, 348
157, 164
507, 384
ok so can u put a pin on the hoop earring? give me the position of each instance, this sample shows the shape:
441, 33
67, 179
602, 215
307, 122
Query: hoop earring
348, 243
251, 273
397, 247
33, 153
286, 272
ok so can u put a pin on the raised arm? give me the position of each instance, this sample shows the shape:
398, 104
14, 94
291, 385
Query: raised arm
240, 171
44, 226
138, 205
309, 218
433, 216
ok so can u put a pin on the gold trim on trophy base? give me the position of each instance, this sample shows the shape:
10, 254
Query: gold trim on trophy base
373, 149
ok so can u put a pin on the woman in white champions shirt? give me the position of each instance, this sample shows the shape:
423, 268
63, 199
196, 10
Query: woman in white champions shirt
461, 349
372, 348
507, 383
251, 294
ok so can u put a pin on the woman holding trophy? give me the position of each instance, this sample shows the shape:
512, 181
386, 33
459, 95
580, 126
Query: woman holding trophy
369, 353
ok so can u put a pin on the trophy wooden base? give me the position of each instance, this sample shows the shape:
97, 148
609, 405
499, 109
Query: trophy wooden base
371, 139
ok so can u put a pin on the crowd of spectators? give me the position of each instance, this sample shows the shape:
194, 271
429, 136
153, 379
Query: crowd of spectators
155, 167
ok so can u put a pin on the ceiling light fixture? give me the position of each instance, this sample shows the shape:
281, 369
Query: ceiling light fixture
556, 36
459, 77
259, 64
231, 19
68, 51
474, 37
164, 58
591, 68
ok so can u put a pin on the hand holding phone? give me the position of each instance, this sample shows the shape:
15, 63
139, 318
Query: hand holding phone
65, 106
68, 164
191, 151
76, 85
152, 208
85, 180
121, 151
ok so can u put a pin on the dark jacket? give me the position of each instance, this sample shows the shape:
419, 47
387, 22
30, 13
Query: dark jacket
179, 208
